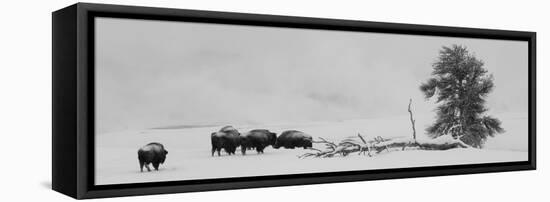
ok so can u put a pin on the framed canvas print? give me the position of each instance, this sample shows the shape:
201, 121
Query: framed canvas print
155, 100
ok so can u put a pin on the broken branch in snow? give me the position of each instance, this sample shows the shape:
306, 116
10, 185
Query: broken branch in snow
344, 148
379, 144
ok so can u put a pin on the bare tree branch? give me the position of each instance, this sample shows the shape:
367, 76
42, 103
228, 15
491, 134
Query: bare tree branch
412, 120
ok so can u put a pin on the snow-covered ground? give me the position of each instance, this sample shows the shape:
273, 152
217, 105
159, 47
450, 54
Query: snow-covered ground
189, 149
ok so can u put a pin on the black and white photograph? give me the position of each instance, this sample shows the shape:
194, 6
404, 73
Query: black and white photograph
274, 100
178, 101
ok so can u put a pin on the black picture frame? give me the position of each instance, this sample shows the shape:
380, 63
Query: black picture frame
73, 100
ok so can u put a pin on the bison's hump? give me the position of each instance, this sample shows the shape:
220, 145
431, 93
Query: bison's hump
152, 147
227, 129
155, 144
293, 133
217, 135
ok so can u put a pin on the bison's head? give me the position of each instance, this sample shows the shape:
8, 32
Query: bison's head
276, 145
162, 156
308, 142
272, 138
243, 140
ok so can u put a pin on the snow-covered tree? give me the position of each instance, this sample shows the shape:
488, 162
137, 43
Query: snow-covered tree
461, 84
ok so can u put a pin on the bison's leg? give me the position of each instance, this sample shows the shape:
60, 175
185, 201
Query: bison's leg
243, 150
218, 150
213, 150
156, 166
141, 165
147, 166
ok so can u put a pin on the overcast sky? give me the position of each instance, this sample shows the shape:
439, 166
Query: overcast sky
158, 73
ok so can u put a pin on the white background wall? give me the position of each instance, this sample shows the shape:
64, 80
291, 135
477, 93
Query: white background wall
25, 104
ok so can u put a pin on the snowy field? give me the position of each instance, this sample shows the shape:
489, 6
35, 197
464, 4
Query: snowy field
190, 157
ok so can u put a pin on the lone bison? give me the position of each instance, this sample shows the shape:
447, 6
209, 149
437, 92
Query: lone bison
258, 139
151, 153
293, 138
227, 138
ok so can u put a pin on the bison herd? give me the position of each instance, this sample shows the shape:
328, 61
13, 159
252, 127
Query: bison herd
229, 139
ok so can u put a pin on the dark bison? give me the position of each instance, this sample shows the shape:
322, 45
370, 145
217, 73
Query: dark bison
293, 138
151, 153
227, 138
258, 139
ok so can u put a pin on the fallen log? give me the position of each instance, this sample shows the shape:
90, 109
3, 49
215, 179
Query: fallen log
379, 144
